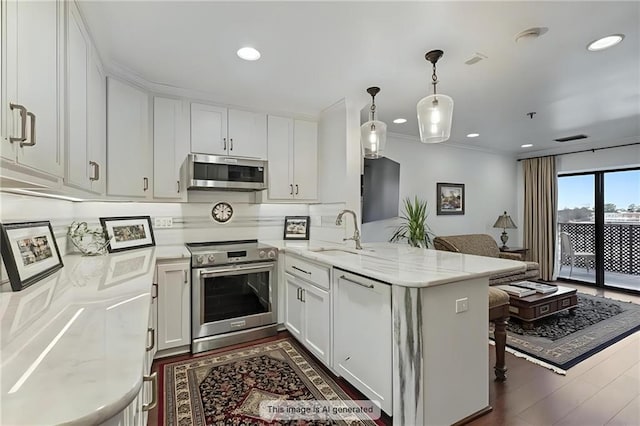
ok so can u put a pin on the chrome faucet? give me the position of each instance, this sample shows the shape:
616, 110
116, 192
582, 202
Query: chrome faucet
356, 234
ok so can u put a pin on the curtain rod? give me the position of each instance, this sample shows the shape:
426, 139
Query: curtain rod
584, 150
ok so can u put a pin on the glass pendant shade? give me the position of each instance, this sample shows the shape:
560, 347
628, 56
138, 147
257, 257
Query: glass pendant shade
435, 114
373, 136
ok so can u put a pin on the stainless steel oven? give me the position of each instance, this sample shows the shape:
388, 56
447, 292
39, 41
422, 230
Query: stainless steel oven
233, 294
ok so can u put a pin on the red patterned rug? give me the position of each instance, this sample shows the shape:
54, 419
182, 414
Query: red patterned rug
226, 388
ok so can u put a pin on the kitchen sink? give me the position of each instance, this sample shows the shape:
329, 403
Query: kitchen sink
340, 252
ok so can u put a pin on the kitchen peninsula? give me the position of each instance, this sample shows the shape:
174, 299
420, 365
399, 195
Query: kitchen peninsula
429, 318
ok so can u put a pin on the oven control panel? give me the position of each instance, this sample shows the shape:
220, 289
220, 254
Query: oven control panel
225, 257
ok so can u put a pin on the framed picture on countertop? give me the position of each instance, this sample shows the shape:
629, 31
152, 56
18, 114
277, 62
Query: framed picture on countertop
29, 251
296, 228
128, 233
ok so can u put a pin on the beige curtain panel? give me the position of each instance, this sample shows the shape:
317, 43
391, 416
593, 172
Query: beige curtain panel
540, 211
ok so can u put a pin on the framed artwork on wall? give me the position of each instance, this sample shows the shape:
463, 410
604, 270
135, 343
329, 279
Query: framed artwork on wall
128, 232
296, 228
450, 197
29, 251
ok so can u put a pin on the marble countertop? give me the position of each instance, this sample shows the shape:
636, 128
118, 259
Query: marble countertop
400, 264
72, 346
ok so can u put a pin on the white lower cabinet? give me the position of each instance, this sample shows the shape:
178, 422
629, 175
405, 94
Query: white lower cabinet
137, 412
308, 314
362, 351
174, 305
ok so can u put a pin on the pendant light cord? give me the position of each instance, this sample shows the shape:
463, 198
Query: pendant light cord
434, 78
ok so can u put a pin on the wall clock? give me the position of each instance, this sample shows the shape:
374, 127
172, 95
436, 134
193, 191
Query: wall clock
222, 212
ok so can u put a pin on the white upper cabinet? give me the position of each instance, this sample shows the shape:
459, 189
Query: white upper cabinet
130, 150
221, 131
32, 86
97, 125
170, 146
85, 113
293, 159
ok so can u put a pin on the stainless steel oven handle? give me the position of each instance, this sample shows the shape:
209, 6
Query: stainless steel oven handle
203, 273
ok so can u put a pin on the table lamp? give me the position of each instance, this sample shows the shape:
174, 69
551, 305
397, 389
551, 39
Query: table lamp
504, 221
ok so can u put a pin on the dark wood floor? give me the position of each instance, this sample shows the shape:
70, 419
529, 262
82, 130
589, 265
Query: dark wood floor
603, 390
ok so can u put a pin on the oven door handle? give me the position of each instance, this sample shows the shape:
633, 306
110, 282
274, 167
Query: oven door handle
204, 273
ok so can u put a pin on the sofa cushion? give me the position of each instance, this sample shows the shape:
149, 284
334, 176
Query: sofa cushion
485, 245
478, 244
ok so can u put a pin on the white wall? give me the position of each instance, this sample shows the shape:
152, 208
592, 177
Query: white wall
339, 166
490, 187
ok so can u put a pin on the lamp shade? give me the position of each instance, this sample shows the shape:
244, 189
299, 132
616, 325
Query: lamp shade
435, 114
504, 221
373, 136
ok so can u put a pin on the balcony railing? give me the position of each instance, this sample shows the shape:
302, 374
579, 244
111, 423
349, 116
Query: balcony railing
621, 245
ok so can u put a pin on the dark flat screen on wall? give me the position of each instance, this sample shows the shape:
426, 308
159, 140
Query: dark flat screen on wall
380, 189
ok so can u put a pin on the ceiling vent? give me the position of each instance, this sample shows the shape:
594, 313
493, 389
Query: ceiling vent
571, 138
475, 58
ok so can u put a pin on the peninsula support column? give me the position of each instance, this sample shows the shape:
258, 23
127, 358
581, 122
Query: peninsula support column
408, 386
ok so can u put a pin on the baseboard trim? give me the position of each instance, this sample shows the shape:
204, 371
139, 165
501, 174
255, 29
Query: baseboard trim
474, 416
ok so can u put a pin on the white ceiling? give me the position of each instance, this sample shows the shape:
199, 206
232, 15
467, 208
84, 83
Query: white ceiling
314, 53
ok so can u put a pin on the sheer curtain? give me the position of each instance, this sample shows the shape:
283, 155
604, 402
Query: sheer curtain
540, 211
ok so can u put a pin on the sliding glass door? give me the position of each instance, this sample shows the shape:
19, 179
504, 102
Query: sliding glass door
576, 228
622, 229
599, 228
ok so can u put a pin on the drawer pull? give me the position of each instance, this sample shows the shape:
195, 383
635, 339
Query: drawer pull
544, 309
153, 378
151, 331
356, 282
301, 270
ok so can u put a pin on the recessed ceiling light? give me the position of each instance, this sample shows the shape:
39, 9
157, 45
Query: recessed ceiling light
526, 145
473, 135
605, 42
248, 54
400, 120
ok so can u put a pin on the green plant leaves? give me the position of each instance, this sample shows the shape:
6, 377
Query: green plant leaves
414, 228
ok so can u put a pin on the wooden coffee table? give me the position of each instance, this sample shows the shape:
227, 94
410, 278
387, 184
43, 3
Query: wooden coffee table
531, 308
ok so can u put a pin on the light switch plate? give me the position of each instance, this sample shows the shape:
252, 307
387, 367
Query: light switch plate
462, 305
163, 222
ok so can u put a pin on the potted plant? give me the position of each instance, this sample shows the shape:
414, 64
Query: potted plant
414, 228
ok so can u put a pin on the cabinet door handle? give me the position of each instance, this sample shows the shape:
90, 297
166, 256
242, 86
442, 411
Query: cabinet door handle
296, 189
32, 137
153, 339
186, 277
178, 185
231, 144
145, 182
302, 298
23, 123
153, 378
224, 141
356, 282
96, 173
155, 293
299, 297
301, 270
291, 190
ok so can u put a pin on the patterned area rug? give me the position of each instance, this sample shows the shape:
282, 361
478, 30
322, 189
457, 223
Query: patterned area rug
563, 340
227, 388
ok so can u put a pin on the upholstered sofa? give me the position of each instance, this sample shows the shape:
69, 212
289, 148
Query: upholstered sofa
485, 245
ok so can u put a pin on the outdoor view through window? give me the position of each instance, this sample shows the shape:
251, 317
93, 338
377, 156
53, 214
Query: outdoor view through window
621, 230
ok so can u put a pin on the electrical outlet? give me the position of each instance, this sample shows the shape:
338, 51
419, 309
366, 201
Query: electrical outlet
163, 222
462, 305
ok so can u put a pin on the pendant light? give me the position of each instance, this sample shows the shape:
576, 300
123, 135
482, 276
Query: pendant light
435, 112
373, 133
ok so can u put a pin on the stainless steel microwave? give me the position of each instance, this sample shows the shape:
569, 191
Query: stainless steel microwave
203, 171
